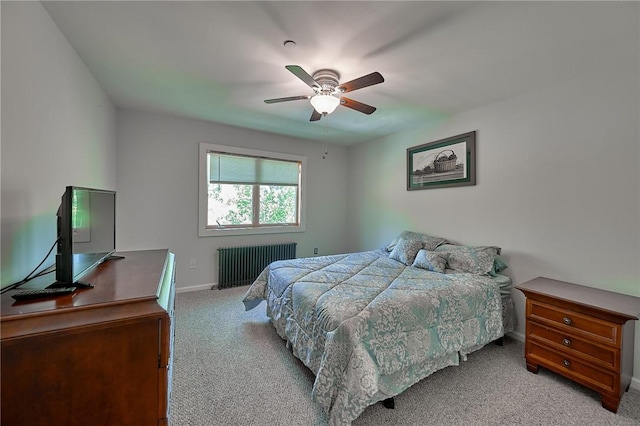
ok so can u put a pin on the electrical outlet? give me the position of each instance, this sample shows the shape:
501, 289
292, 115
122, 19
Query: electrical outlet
192, 264
315, 250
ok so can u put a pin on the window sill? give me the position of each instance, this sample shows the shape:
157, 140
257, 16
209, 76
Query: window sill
225, 232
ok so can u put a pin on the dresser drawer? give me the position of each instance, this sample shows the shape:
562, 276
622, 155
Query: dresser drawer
605, 356
565, 319
572, 367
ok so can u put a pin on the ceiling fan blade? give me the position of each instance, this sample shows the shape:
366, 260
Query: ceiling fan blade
303, 75
291, 98
315, 116
359, 83
358, 106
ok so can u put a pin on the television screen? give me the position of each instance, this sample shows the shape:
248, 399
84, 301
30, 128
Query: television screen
86, 232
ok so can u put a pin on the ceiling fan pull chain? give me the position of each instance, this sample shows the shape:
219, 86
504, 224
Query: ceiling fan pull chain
326, 138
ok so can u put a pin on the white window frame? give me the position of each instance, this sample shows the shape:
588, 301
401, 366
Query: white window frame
203, 231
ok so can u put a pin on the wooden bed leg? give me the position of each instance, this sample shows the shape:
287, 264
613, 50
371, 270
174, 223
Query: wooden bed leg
389, 403
499, 341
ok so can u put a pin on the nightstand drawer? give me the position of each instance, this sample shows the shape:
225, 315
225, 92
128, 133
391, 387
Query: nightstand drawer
572, 367
566, 319
605, 356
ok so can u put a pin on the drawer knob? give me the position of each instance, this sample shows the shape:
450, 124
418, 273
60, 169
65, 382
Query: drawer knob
566, 320
566, 342
566, 363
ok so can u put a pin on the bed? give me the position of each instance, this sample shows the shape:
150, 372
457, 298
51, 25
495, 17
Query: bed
371, 324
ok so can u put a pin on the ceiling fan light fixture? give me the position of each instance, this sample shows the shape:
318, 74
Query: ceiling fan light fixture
325, 104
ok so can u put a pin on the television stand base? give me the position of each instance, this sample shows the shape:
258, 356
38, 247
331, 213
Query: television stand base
61, 284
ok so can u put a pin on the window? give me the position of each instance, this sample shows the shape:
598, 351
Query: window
80, 217
246, 191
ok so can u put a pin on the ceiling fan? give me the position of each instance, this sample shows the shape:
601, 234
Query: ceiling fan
329, 92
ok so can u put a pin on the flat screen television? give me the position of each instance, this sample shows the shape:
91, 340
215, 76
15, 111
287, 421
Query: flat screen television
86, 233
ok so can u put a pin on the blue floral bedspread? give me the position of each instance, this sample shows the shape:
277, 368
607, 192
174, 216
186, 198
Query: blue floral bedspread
369, 327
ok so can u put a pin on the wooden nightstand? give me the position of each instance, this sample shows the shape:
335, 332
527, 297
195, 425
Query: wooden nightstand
582, 333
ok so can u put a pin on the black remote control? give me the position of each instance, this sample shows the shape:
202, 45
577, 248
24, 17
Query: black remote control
41, 293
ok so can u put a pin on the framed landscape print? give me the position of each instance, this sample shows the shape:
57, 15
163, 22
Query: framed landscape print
443, 163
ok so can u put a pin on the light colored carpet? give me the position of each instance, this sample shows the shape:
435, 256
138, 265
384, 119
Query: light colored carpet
231, 368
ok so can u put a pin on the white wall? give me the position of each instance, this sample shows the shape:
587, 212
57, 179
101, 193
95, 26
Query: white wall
558, 184
58, 129
158, 191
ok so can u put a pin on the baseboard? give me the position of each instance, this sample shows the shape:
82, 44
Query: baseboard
635, 383
196, 288
517, 336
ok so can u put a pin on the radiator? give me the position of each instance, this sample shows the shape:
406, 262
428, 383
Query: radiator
241, 265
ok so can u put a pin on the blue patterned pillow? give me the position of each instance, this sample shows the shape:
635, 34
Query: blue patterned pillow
499, 265
405, 251
431, 261
474, 260
428, 241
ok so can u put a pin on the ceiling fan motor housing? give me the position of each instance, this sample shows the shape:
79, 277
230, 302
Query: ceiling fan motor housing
327, 79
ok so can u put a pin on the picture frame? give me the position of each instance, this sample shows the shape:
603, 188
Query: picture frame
444, 163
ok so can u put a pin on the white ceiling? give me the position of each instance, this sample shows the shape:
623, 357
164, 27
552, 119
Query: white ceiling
218, 61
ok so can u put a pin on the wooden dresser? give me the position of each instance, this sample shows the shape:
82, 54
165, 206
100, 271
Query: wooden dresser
100, 356
582, 333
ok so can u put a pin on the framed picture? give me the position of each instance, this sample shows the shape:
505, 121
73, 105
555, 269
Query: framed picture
443, 163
